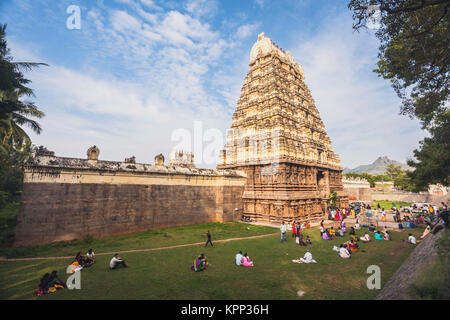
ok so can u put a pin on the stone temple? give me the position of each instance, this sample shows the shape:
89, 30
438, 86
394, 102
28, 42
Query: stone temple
277, 165
278, 139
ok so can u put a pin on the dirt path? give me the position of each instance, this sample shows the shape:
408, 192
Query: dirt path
140, 250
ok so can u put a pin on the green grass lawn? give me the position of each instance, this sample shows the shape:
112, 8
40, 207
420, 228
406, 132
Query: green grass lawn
386, 204
166, 274
140, 240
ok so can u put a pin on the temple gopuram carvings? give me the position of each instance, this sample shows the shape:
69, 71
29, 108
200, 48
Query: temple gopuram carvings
278, 139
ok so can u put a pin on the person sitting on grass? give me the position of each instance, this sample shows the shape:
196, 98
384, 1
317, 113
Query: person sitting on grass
43, 285
353, 246
55, 281
239, 258
352, 231
343, 252
307, 258
79, 258
339, 232
307, 226
332, 232
411, 239
299, 240
200, 263
326, 235
90, 258
387, 236
117, 261
378, 235
357, 226
308, 240
246, 262
372, 228
366, 237
75, 267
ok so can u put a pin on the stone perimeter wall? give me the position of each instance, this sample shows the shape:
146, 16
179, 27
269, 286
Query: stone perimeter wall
64, 204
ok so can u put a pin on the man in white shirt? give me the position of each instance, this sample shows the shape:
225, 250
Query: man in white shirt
90, 257
283, 232
343, 252
239, 258
412, 239
117, 261
307, 258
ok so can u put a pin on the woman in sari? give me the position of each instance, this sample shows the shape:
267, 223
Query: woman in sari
326, 235
300, 240
353, 246
246, 262
200, 263
343, 226
332, 232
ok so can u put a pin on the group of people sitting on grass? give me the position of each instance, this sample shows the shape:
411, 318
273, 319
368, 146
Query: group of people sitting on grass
243, 260
49, 283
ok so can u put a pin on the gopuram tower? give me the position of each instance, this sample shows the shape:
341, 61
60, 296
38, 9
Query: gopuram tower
278, 139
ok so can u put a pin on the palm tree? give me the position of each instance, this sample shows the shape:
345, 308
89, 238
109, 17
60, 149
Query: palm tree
15, 112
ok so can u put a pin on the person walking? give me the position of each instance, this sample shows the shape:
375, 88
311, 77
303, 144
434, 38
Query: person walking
208, 234
283, 232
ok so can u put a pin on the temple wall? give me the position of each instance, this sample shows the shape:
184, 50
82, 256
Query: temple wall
414, 197
64, 204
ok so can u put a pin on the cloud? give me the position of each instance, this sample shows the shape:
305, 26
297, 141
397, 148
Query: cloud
247, 30
202, 8
260, 3
359, 110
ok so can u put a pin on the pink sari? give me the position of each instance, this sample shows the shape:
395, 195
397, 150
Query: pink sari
246, 262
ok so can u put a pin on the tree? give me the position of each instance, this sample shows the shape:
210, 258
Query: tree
393, 171
15, 112
433, 165
332, 199
15, 144
414, 56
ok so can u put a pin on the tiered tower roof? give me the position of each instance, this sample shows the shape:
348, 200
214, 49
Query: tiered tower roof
276, 119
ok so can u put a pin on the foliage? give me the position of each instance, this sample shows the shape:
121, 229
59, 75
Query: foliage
332, 199
370, 178
414, 56
381, 178
393, 171
433, 165
15, 144
8, 220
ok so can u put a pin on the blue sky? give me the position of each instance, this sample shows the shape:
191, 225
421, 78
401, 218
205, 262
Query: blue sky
139, 72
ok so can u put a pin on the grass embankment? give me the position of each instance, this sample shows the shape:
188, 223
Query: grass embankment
166, 274
435, 277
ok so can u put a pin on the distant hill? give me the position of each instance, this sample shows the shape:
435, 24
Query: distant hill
377, 167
